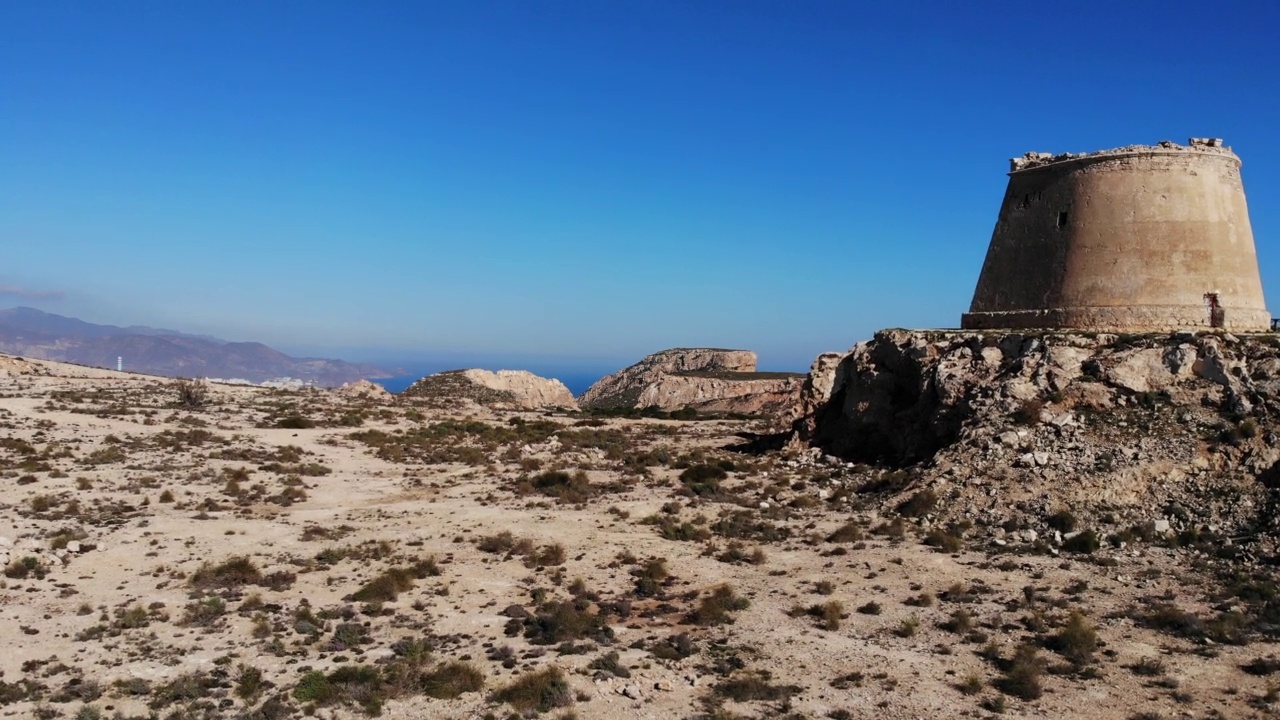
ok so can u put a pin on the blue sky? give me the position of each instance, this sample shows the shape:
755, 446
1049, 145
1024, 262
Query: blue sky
576, 182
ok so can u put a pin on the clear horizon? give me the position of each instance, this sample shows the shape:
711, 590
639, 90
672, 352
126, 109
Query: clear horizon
575, 183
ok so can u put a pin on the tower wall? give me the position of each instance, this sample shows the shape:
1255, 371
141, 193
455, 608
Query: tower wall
1141, 239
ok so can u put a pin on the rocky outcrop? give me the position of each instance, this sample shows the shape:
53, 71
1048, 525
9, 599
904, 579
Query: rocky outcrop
504, 388
1005, 425
769, 394
364, 390
704, 379
20, 366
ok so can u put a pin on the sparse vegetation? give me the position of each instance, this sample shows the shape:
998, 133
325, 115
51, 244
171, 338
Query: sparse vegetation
640, 554
536, 691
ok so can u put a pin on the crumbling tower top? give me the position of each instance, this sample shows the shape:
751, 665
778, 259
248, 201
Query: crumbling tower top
1137, 238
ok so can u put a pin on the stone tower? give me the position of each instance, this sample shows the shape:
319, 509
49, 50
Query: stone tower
1140, 238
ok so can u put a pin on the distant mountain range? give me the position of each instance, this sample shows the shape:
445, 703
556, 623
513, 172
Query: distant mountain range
36, 334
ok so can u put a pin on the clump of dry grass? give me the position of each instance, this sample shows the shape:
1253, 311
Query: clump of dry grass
231, 573
828, 614
536, 691
715, 609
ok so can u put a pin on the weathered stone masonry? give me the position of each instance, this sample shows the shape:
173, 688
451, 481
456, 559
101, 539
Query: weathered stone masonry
1140, 238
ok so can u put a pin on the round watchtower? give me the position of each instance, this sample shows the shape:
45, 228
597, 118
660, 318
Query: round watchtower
1140, 238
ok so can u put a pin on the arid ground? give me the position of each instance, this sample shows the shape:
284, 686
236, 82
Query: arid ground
270, 554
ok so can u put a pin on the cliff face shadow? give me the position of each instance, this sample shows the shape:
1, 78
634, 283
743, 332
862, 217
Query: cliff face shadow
759, 443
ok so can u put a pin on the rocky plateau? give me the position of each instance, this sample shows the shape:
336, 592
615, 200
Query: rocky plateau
957, 524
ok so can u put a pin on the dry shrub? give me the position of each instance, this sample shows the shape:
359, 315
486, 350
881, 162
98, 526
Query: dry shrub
715, 608
386, 587
754, 686
848, 533
1076, 641
919, 504
451, 680
231, 573
1022, 675
191, 393
565, 488
536, 691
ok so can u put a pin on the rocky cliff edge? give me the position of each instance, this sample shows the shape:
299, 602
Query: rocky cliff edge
1006, 429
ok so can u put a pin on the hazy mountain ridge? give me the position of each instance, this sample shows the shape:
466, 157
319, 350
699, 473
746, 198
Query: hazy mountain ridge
37, 334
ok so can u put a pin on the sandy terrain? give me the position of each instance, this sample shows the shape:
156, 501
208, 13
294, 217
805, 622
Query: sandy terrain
122, 511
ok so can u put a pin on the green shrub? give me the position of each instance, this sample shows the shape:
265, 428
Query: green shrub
671, 529
557, 622
349, 685
204, 612
536, 691
703, 480
249, 682
609, 663
25, 566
